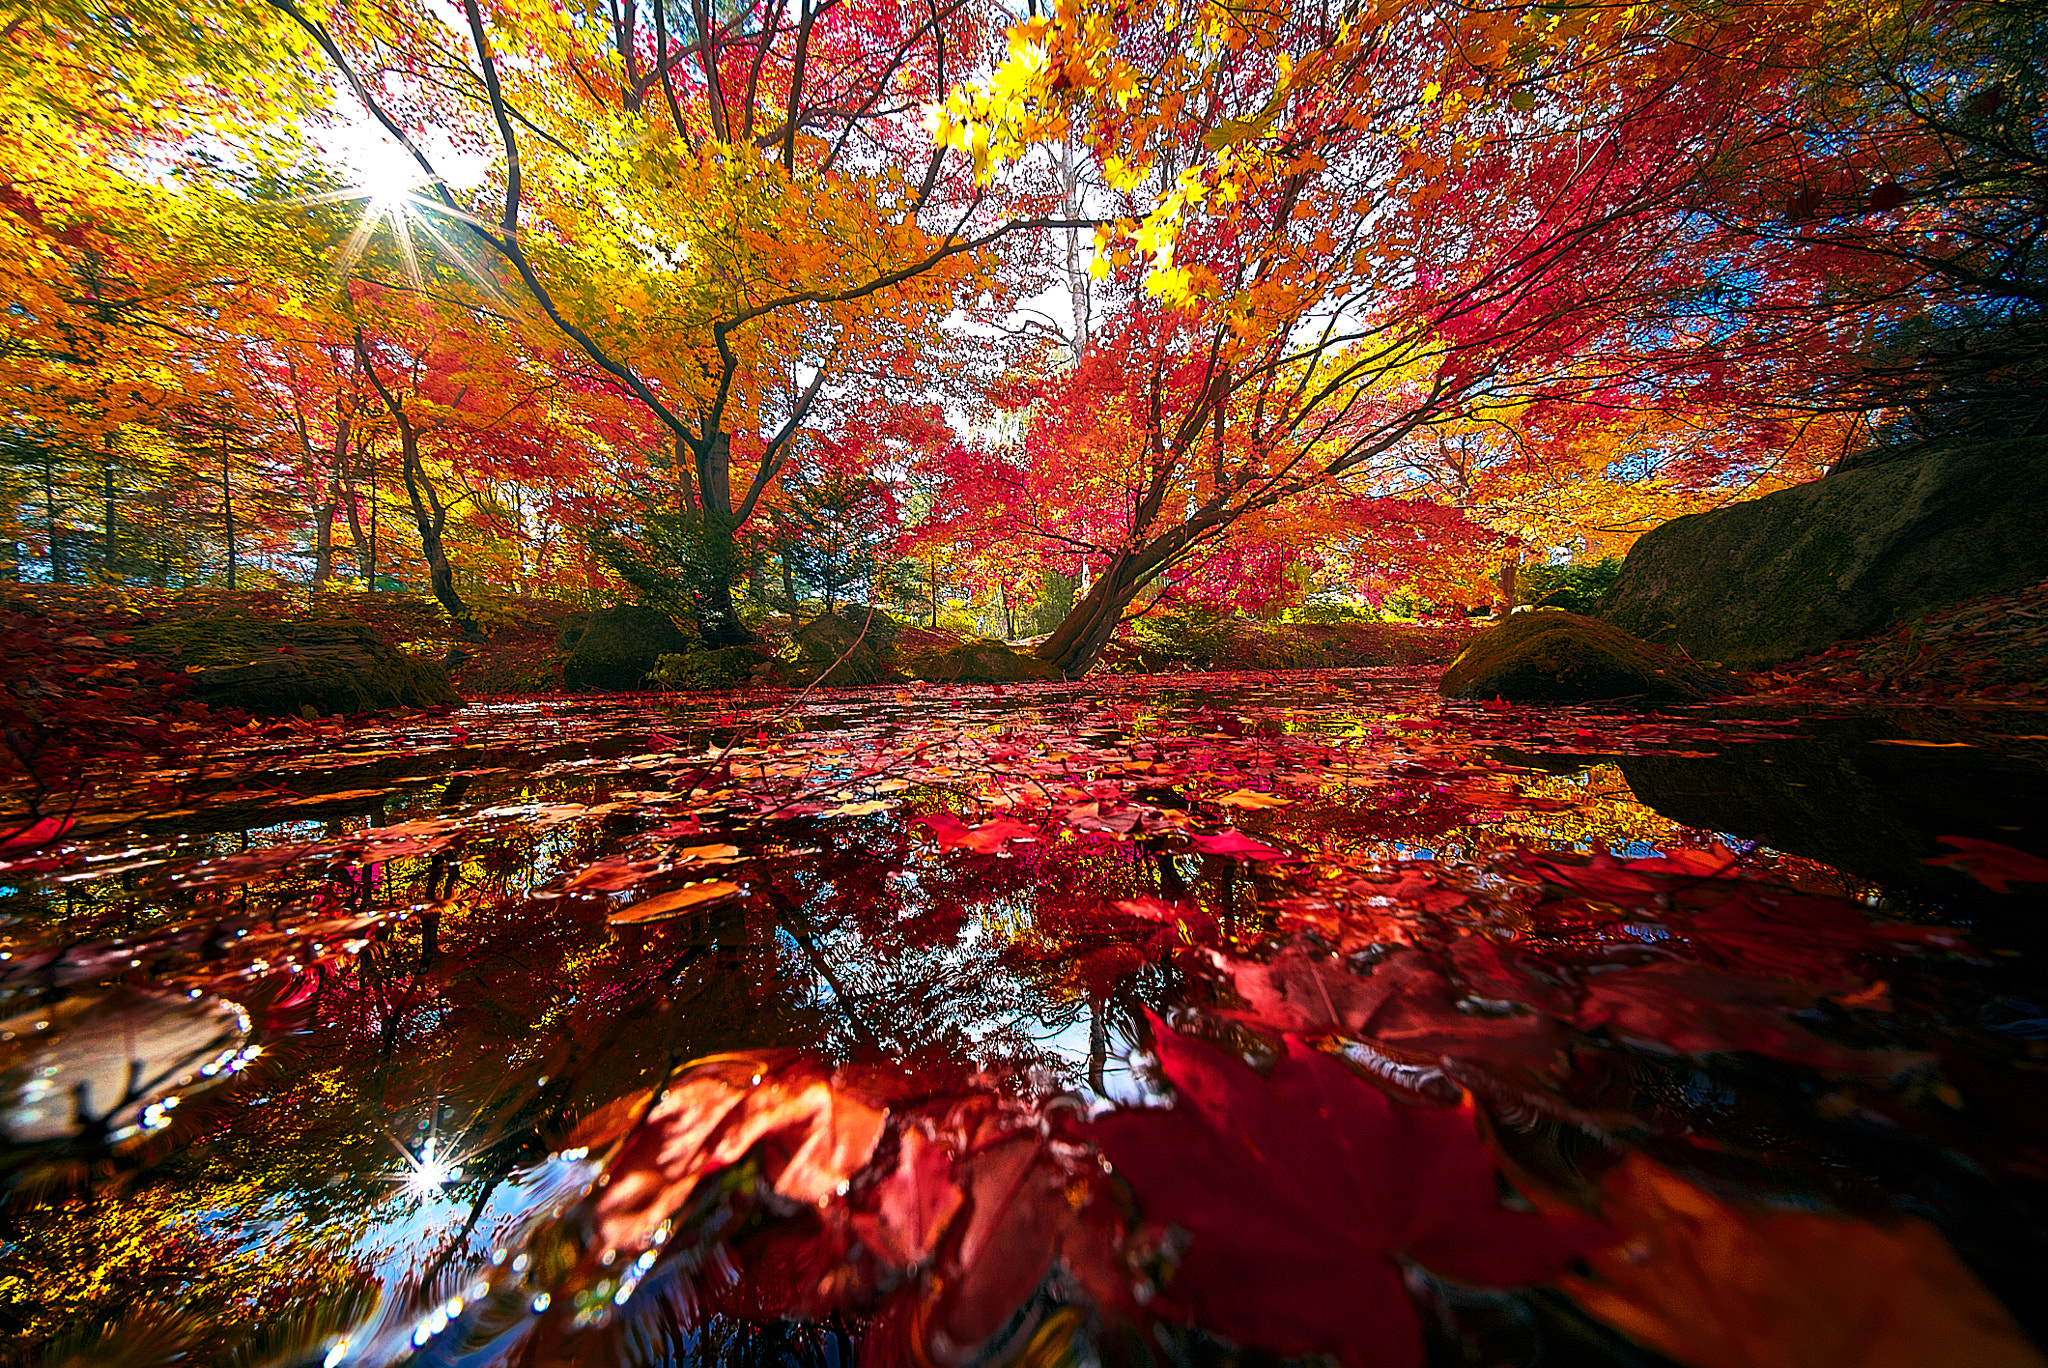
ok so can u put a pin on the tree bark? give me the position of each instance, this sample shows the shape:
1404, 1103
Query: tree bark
107, 549
227, 506
1079, 639
429, 514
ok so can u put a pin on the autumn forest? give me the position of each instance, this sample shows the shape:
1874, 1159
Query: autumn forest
1082, 683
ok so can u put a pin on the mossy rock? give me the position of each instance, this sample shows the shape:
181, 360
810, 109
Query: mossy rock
980, 662
571, 631
1889, 535
1553, 657
277, 668
851, 647
619, 647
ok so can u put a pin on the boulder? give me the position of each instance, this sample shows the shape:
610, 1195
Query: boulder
1553, 657
850, 647
571, 631
1885, 537
980, 662
618, 647
275, 668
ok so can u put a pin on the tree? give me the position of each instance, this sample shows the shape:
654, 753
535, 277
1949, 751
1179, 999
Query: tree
1343, 236
727, 214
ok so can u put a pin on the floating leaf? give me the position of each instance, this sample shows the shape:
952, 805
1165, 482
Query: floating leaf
675, 902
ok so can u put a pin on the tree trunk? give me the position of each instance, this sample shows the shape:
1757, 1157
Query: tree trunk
431, 518
227, 506
365, 547
54, 545
107, 549
1076, 643
427, 510
1509, 569
718, 620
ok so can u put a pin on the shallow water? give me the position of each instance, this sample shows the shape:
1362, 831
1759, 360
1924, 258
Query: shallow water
308, 1046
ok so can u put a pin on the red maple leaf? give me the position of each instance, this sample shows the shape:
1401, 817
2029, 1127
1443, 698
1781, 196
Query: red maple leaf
1301, 1190
1237, 845
1991, 864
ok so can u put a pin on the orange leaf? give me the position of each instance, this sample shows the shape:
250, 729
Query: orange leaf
1249, 798
1714, 1286
676, 901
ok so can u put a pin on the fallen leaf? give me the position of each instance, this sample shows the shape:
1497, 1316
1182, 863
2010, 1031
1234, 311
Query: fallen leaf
1251, 798
1991, 864
1714, 1286
1236, 845
1300, 1190
913, 1205
675, 902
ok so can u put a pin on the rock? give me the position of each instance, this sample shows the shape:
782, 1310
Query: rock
851, 647
275, 668
572, 630
980, 662
618, 647
1887, 536
1552, 657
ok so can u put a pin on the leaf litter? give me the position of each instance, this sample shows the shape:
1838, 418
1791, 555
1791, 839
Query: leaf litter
993, 1022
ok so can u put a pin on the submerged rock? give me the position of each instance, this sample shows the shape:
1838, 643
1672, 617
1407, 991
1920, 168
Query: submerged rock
278, 668
1887, 536
617, 648
1553, 657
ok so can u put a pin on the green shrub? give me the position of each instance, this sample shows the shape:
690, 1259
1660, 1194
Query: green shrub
1576, 588
1332, 614
706, 667
1189, 636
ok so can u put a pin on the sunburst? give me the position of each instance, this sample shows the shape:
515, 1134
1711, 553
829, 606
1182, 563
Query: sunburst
401, 198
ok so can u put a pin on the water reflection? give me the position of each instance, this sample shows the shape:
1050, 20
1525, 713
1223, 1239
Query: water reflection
343, 1029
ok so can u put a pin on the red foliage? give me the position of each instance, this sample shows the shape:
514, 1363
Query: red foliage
1302, 1191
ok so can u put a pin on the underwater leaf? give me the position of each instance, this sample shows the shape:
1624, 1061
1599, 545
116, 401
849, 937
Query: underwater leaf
1715, 1286
1300, 1190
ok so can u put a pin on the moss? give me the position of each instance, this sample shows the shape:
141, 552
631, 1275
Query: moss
619, 647
721, 667
851, 647
1556, 657
979, 662
279, 668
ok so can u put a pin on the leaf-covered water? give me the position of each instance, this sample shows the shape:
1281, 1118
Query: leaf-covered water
1189, 1019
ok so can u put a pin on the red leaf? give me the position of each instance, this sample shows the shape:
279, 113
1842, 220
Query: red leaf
985, 839
1300, 1190
913, 1205
815, 1138
1692, 1009
37, 833
1236, 845
1993, 865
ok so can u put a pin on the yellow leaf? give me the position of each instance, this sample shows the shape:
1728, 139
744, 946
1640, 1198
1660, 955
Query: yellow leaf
1252, 798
